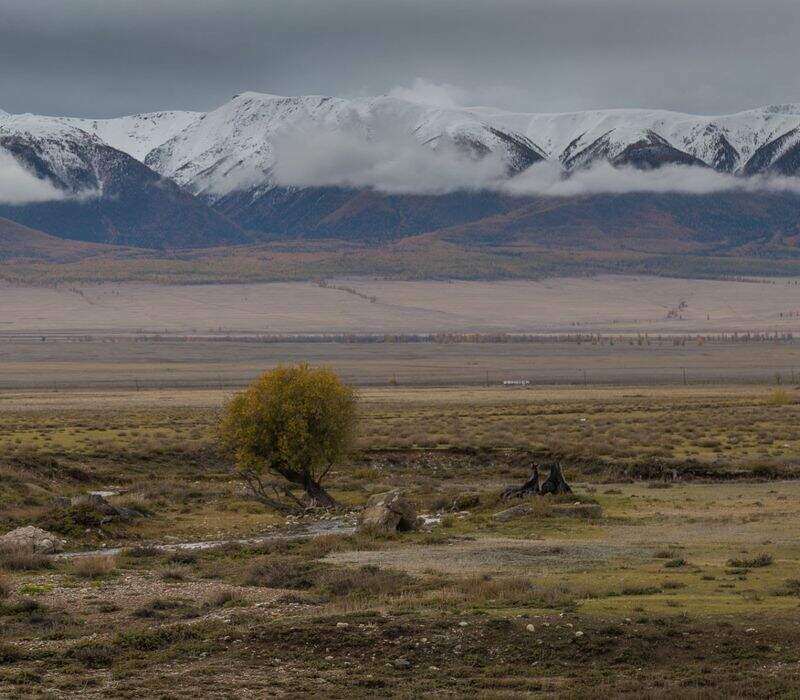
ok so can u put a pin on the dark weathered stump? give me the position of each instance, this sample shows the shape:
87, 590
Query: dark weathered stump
529, 488
555, 482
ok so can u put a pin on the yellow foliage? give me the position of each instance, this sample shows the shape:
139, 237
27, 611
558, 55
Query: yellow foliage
295, 422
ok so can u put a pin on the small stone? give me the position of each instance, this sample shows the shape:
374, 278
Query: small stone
463, 623
342, 624
402, 664
579, 634
530, 628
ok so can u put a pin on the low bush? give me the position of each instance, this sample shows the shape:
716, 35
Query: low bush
5, 585
675, 563
9, 654
22, 558
174, 572
94, 566
286, 572
224, 597
94, 654
365, 581
751, 562
182, 556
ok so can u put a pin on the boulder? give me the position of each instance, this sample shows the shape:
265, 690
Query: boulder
33, 538
510, 513
465, 501
95, 503
388, 512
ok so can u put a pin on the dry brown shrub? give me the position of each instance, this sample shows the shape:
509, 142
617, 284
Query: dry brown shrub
5, 585
94, 566
22, 558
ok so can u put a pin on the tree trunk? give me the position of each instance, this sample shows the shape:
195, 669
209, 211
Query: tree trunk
318, 495
555, 482
529, 488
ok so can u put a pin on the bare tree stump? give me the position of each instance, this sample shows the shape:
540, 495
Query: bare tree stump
529, 488
555, 482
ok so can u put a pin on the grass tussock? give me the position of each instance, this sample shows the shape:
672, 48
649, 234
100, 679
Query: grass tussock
94, 566
22, 558
756, 562
174, 572
5, 585
487, 591
367, 581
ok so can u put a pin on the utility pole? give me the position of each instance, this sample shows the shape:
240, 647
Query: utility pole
684, 376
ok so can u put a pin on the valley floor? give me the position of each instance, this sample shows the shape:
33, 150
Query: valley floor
686, 584
606, 304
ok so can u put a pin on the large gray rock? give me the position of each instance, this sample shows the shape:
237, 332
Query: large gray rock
388, 512
510, 513
32, 538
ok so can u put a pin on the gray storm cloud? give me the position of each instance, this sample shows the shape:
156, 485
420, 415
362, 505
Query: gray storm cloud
20, 186
99, 58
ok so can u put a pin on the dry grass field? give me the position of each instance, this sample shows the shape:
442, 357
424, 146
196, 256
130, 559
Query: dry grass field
60, 364
685, 584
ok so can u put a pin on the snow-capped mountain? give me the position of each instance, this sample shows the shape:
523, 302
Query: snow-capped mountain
103, 194
233, 147
138, 134
625, 145
725, 143
189, 178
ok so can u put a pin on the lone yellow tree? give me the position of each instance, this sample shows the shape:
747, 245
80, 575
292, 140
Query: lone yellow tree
292, 422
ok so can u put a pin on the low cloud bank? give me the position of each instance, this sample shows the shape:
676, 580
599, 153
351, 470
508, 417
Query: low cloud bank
20, 186
391, 163
398, 164
547, 179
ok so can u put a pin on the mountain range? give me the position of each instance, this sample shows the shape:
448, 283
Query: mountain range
178, 180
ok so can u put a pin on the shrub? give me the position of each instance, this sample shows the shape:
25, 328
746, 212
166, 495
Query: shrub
94, 654
793, 586
73, 520
673, 585
281, 573
5, 585
22, 558
675, 563
366, 581
779, 397
224, 597
182, 556
94, 566
514, 590
174, 572
752, 562
9, 654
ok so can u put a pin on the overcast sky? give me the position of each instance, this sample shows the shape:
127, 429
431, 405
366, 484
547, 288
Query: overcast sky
111, 57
